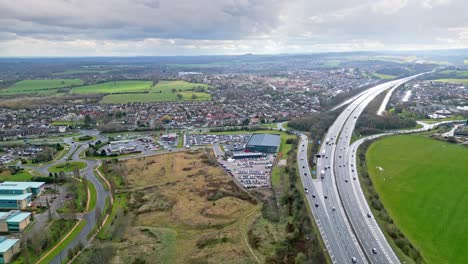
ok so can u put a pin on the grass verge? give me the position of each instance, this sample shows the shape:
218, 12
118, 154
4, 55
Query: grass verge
48, 257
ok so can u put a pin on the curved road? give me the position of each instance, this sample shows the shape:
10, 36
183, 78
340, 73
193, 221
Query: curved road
76, 148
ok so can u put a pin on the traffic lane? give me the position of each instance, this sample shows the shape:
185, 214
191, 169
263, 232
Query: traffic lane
329, 237
343, 231
360, 226
361, 216
338, 123
347, 202
377, 242
335, 211
366, 238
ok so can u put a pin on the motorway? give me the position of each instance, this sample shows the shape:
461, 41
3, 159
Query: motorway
347, 226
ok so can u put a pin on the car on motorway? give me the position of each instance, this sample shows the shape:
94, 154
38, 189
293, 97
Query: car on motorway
313, 195
374, 250
316, 205
354, 260
368, 215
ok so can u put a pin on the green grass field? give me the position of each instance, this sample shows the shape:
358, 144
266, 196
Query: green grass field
115, 87
383, 76
68, 166
270, 125
462, 81
20, 176
167, 86
423, 185
162, 92
40, 86
458, 74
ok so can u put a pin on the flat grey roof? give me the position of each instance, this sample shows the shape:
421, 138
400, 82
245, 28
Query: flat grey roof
271, 140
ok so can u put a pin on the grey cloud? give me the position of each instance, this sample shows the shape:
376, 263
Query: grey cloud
238, 24
137, 19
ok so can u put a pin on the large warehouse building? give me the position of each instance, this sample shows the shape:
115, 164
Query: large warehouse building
266, 143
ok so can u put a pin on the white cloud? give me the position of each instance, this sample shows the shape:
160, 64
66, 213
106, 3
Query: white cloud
433, 3
388, 7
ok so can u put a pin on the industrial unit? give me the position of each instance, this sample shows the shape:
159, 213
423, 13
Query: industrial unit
17, 195
14, 221
266, 143
122, 146
8, 248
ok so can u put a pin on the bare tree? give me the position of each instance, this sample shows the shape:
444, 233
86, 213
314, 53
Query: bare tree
98, 217
49, 213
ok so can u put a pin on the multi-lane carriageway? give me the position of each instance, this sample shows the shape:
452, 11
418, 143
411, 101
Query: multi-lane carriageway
345, 222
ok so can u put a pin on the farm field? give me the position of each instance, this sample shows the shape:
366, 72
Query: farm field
86, 71
422, 183
462, 81
164, 91
458, 74
185, 209
383, 76
167, 86
115, 87
40, 86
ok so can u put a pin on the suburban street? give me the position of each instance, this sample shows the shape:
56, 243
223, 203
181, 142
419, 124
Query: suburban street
346, 224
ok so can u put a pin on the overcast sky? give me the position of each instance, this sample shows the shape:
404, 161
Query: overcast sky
198, 27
